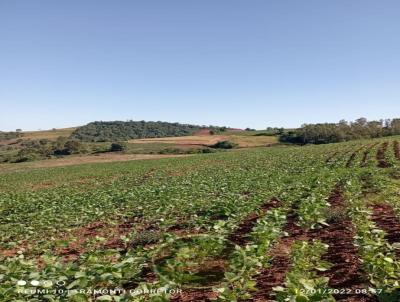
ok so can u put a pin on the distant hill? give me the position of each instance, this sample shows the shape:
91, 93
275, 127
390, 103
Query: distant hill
121, 131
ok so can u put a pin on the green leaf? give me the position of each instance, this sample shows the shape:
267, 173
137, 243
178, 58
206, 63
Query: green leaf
80, 275
308, 284
301, 298
79, 298
387, 259
321, 269
104, 298
278, 289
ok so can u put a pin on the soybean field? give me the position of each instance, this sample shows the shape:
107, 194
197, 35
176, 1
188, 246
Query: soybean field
310, 223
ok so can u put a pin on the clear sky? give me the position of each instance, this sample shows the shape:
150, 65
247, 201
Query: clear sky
240, 63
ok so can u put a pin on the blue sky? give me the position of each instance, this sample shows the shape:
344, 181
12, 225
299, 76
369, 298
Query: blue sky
240, 63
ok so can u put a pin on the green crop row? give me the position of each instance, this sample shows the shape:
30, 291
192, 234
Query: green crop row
182, 212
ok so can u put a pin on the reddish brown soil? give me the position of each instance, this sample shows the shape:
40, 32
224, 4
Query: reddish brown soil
182, 228
366, 154
353, 157
275, 274
195, 295
240, 235
11, 252
380, 156
396, 148
111, 233
346, 271
387, 220
85, 233
201, 294
115, 241
78, 238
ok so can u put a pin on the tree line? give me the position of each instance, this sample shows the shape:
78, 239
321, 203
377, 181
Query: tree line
324, 133
122, 131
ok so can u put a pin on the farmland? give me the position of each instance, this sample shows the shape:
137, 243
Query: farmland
47, 148
310, 223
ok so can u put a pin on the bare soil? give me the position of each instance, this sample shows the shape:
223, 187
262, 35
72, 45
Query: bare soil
240, 236
386, 219
275, 274
381, 156
366, 154
351, 159
346, 271
195, 295
396, 148
365, 158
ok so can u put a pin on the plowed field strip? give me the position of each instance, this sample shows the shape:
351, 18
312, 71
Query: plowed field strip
276, 273
386, 219
366, 154
365, 158
353, 157
346, 274
240, 237
381, 156
396, 148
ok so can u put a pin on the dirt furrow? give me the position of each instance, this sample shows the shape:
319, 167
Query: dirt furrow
387, 220
275, 274
346, 274
381, 156
366, 154
239, 237
365, 158
351, 159
396, 148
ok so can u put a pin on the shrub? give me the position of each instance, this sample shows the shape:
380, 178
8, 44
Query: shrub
224, 145
207, 150
171, 151
116, 147
27, 154
73, 146
69, 147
